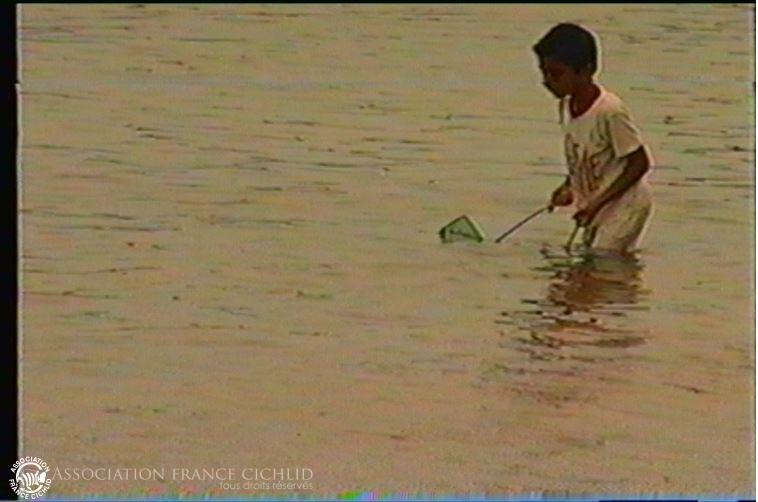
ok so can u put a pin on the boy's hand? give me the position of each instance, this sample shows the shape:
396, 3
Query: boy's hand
585, 216
636, 167
562, 196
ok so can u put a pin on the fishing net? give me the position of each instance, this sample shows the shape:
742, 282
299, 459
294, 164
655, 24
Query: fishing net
462, 228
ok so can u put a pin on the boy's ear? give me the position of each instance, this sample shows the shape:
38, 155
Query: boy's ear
589, 70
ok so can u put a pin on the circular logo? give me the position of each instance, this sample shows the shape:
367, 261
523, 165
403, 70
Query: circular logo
30, 479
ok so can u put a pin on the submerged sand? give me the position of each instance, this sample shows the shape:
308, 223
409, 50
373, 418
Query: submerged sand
230, 256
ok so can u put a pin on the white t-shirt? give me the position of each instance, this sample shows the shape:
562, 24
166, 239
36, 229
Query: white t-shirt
595, 144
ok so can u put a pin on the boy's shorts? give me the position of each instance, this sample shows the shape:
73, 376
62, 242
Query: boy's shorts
621, 226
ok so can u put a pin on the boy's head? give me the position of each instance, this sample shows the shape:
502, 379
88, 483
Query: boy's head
567, 56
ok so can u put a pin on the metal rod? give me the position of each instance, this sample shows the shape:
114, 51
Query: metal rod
517, 225
570, 241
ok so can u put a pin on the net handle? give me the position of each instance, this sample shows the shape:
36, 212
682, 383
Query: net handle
524, 221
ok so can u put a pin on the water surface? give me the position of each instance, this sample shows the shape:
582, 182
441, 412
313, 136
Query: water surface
230, 251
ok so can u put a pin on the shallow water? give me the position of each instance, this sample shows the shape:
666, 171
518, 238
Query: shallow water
230, 216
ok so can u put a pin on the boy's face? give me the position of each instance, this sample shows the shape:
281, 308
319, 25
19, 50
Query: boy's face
559, 78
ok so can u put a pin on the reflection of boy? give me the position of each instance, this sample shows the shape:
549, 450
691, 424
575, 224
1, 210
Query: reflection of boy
606, 157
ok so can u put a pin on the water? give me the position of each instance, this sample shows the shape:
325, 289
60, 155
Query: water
230, 220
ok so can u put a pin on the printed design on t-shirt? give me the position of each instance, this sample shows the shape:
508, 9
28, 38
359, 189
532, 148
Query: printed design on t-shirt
585, 167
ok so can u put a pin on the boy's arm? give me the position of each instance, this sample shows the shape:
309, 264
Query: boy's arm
636, 166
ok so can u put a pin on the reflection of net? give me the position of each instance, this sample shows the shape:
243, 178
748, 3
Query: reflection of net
596, 285
584, 309
571, 334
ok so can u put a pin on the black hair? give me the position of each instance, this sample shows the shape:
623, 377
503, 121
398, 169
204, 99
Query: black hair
570, 44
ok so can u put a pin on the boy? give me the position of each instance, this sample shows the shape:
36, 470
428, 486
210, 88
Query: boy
606, 157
